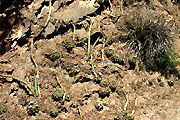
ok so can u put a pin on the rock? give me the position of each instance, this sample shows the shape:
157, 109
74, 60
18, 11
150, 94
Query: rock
19, 73
90, 104
44, 11
6, 68
14, 87
83, 89
75, 11
49, 29
78, 51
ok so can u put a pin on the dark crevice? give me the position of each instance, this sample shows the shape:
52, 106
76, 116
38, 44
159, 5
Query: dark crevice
61, 31
65, 3
21, 42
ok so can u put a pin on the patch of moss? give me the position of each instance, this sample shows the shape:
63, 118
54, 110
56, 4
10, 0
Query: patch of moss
33, 108
54, 55
33, 72
112, 84
104, 92
159, 79
115, 58
141, 67
166, 59
132, 59
99, 106
161, 84
109, 52
54, 84
54, 112
68, 45
132, 62
170, 83
124, 116
104, 83
71, 69
68, 97
120, 92
2, 109
150, 82
22, 101
58, 94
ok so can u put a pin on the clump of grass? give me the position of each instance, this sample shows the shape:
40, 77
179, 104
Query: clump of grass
151, 38
141, 66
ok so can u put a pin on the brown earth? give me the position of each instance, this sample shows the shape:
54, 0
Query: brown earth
66, 69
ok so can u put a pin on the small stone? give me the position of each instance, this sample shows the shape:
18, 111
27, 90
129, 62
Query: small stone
78, 51
90, 77
44, 12
49, 29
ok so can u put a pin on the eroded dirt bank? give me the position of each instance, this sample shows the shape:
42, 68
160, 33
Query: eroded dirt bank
77, 80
